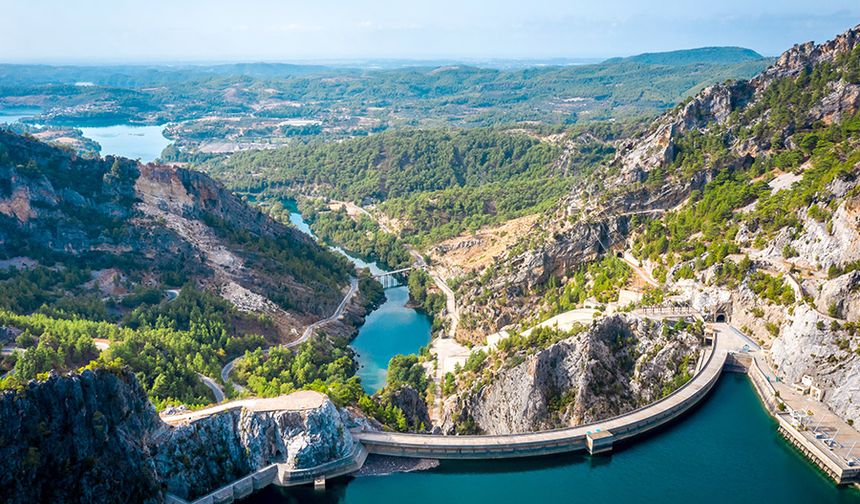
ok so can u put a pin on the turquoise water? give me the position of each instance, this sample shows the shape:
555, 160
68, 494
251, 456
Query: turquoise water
391, 329
135, 142
726, 451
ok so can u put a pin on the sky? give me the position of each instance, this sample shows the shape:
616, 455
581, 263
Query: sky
153, 31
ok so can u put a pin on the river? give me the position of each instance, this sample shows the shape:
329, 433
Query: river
725, 451
391, 329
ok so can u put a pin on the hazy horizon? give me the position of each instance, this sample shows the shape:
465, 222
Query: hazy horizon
199, 32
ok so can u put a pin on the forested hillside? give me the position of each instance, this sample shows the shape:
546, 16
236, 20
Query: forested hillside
433, 183
169, 271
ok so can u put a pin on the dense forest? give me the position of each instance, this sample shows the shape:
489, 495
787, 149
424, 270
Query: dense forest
434, 183
391, 164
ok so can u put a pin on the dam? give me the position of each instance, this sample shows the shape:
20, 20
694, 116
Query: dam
729, 350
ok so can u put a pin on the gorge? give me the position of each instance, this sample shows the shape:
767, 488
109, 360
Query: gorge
675, 294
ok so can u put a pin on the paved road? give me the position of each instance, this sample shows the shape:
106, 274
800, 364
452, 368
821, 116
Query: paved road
214, 387
309, 330
297, 401
450, 303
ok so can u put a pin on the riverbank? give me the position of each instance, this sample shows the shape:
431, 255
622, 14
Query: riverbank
381, 465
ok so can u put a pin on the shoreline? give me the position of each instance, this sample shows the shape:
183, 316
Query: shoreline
385, 465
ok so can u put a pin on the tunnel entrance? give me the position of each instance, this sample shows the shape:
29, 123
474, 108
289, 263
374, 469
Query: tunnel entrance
720, 318
619, 255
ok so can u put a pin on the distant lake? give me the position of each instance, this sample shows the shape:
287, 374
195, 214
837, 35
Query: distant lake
13, 115
134, 142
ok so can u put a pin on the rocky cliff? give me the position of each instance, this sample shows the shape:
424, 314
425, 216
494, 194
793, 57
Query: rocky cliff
81, 438
301, 430
94, 437
650, 176
619, 364
809, 345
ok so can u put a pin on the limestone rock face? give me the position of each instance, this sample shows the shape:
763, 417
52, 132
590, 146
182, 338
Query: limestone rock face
706, 300
820, 245
842, 293
656, 148
154, 221
301, 439
619, 364
94, 437
808, 345
642, 180
78, 439
195, 459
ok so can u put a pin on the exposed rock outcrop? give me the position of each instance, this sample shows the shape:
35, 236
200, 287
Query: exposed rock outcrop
94, 437
198, 458
619, 364
808, 345
411, 403
156, 224
78, 439
842, 295
643, 180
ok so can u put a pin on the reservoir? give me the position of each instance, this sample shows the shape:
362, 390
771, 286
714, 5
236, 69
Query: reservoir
725, 451
134, 142
15, 114
391, 329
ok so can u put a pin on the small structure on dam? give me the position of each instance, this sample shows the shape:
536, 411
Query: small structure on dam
599, 442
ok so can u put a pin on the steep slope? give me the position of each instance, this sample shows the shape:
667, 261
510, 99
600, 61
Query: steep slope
617, 365
744, 198
78, 439
157, 225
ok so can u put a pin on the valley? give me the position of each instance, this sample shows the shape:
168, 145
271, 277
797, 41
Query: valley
264, 277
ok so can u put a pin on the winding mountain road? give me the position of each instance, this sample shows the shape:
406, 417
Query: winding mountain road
309, 330
214, 387
640, 272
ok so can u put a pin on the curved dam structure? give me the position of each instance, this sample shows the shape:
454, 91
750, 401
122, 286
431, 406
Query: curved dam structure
596, 437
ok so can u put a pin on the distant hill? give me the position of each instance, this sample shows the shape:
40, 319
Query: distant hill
709, 55
148, 75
